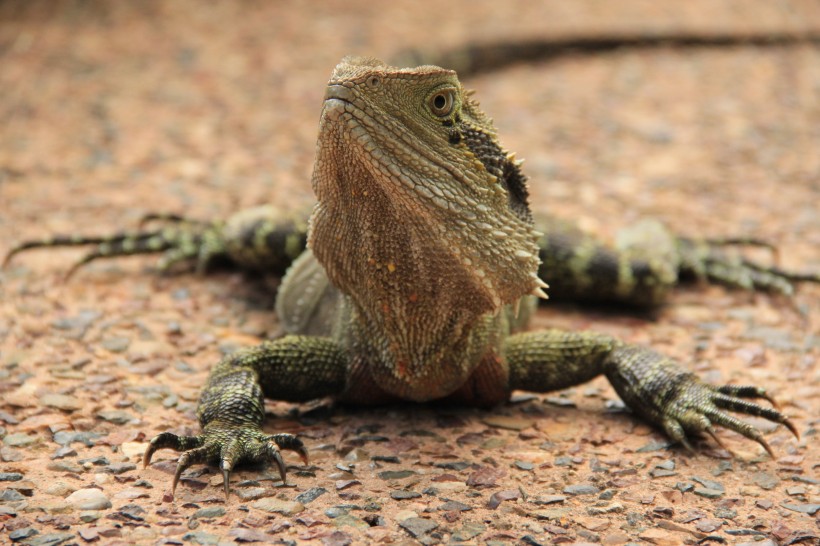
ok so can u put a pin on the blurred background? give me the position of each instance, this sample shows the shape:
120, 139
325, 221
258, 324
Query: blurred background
211, 107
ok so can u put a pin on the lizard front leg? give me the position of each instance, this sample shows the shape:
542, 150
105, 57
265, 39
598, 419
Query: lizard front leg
654, 386
260, 239
231, 407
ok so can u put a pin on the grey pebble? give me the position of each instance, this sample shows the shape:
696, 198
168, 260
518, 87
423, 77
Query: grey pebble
11, 495
404, 495
708, 492
118, 417
418, 527
200, 537
810, 509
396, 474
336, 511
581, 489
116, 344
22, 534
210, 512
20, 439
311, 495
455, 506
63, 452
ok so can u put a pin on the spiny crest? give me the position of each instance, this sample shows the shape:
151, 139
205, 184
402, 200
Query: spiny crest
354, 68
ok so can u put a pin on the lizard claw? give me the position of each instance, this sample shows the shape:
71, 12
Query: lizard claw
229, 445
699, 407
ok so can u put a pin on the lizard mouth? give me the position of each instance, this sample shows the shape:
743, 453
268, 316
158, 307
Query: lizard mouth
336, 91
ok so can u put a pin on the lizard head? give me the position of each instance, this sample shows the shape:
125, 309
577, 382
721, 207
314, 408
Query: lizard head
418, 204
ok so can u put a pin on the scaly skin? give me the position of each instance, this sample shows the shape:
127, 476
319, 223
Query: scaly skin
422, 262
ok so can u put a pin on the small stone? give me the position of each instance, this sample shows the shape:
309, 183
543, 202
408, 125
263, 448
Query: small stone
210, 512
200, 537
404, 495
396, 474
61, 401
10, 476
497, 498
118, 417
99, 460
89, 534
764, 480
286, 508
311, 495
485, 476
22, 534
240, 534
341, 485
418, 527
9, 455
581, 489
654, 446
10, 495
455, 506
253, 493
116, 344
524, 465
68, 437
63, 452
20, 439
796, 491
660, 537
453, 465
66, 466
347, 520
710, 484
508, 423
59, 489
133, 449
708, 492
708, 525
336, 511
52, 539
468, 531
549, 499
90, 516
133, 512
385, 459
614, 508
764, 504
89, 499
807, 508
119, 468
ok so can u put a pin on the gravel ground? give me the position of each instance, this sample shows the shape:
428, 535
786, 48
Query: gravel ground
112, 110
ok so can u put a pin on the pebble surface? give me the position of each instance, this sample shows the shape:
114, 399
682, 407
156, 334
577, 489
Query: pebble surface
114, 111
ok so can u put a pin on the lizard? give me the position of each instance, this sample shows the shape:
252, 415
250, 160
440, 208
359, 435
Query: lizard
416, 275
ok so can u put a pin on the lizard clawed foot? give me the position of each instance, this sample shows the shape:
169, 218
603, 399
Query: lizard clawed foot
182, 241
709, 260
698, 407
229, 445
656, 388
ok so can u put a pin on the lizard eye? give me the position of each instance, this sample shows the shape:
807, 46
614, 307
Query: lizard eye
442, 102
373, 82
